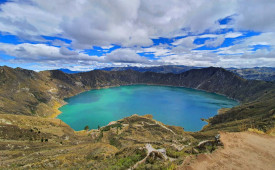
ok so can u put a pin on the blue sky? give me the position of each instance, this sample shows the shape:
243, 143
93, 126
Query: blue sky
84, 35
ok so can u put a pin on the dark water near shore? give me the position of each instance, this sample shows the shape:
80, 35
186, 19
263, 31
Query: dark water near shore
171, 105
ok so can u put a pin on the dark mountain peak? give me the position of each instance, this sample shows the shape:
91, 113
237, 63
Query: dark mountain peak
60, 75
18, 72
5, 68
209, 71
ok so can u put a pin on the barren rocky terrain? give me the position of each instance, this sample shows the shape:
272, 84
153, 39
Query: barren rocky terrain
242, 150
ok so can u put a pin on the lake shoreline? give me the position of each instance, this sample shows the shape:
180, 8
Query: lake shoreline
141, 113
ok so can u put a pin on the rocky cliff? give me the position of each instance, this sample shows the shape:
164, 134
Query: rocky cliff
210, 79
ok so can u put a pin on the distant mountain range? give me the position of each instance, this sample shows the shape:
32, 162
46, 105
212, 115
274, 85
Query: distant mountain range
176, 69
256, 73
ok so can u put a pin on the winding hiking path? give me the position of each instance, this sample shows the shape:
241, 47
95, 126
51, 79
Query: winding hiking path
242, 150
150, 149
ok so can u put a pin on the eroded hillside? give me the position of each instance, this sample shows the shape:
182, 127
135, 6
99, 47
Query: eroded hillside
34, 142
30, 93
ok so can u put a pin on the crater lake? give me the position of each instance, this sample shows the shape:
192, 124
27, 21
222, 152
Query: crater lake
177, 106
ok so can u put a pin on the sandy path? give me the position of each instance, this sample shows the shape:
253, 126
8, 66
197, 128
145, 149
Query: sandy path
244, 150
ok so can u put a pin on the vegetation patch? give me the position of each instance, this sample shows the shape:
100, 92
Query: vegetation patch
127, 157
107, 128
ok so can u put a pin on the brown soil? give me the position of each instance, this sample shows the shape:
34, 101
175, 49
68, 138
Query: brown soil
242, 150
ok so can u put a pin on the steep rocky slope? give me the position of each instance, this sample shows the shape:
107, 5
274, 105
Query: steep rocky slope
210, 79
31, 93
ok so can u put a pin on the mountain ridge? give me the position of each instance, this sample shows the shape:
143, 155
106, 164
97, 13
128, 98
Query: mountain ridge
49, 87
255, 73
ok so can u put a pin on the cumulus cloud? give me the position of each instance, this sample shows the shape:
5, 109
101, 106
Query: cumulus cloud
101, 23
57, 42
41, 53
244, 61
57, 57
130, 23
157, 51
125, 56
215, 42
66, 51
192, 59
133, 25
255, 15
247, 45
27, 19
233, 35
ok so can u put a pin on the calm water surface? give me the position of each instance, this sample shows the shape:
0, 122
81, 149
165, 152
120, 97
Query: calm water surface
171, 105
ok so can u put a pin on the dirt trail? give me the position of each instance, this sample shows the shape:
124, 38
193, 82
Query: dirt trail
243, 150
150, 149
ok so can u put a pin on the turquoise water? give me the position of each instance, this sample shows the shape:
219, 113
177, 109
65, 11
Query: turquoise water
171, 105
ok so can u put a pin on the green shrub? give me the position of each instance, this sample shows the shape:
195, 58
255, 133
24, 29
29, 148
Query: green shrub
115, 142
127, 162
86, 127
173, 153
107, 128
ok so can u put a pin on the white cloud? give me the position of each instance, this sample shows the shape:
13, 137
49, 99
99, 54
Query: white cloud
41, 53
184, 45
160, 50
246, 45
208, 36
188, 41
57, 42
256, 15
192, 59
215, 42
132, 25
241, 61
107, 47
233, 34
262, 39
21, 18
101, 23
125, 56
66, 51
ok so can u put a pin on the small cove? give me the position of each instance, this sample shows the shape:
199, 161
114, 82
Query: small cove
171, 105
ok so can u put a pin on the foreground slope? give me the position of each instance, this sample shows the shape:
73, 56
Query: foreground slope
243, 150
35, 142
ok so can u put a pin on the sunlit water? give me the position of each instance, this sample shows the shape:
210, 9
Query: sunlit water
171, 105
